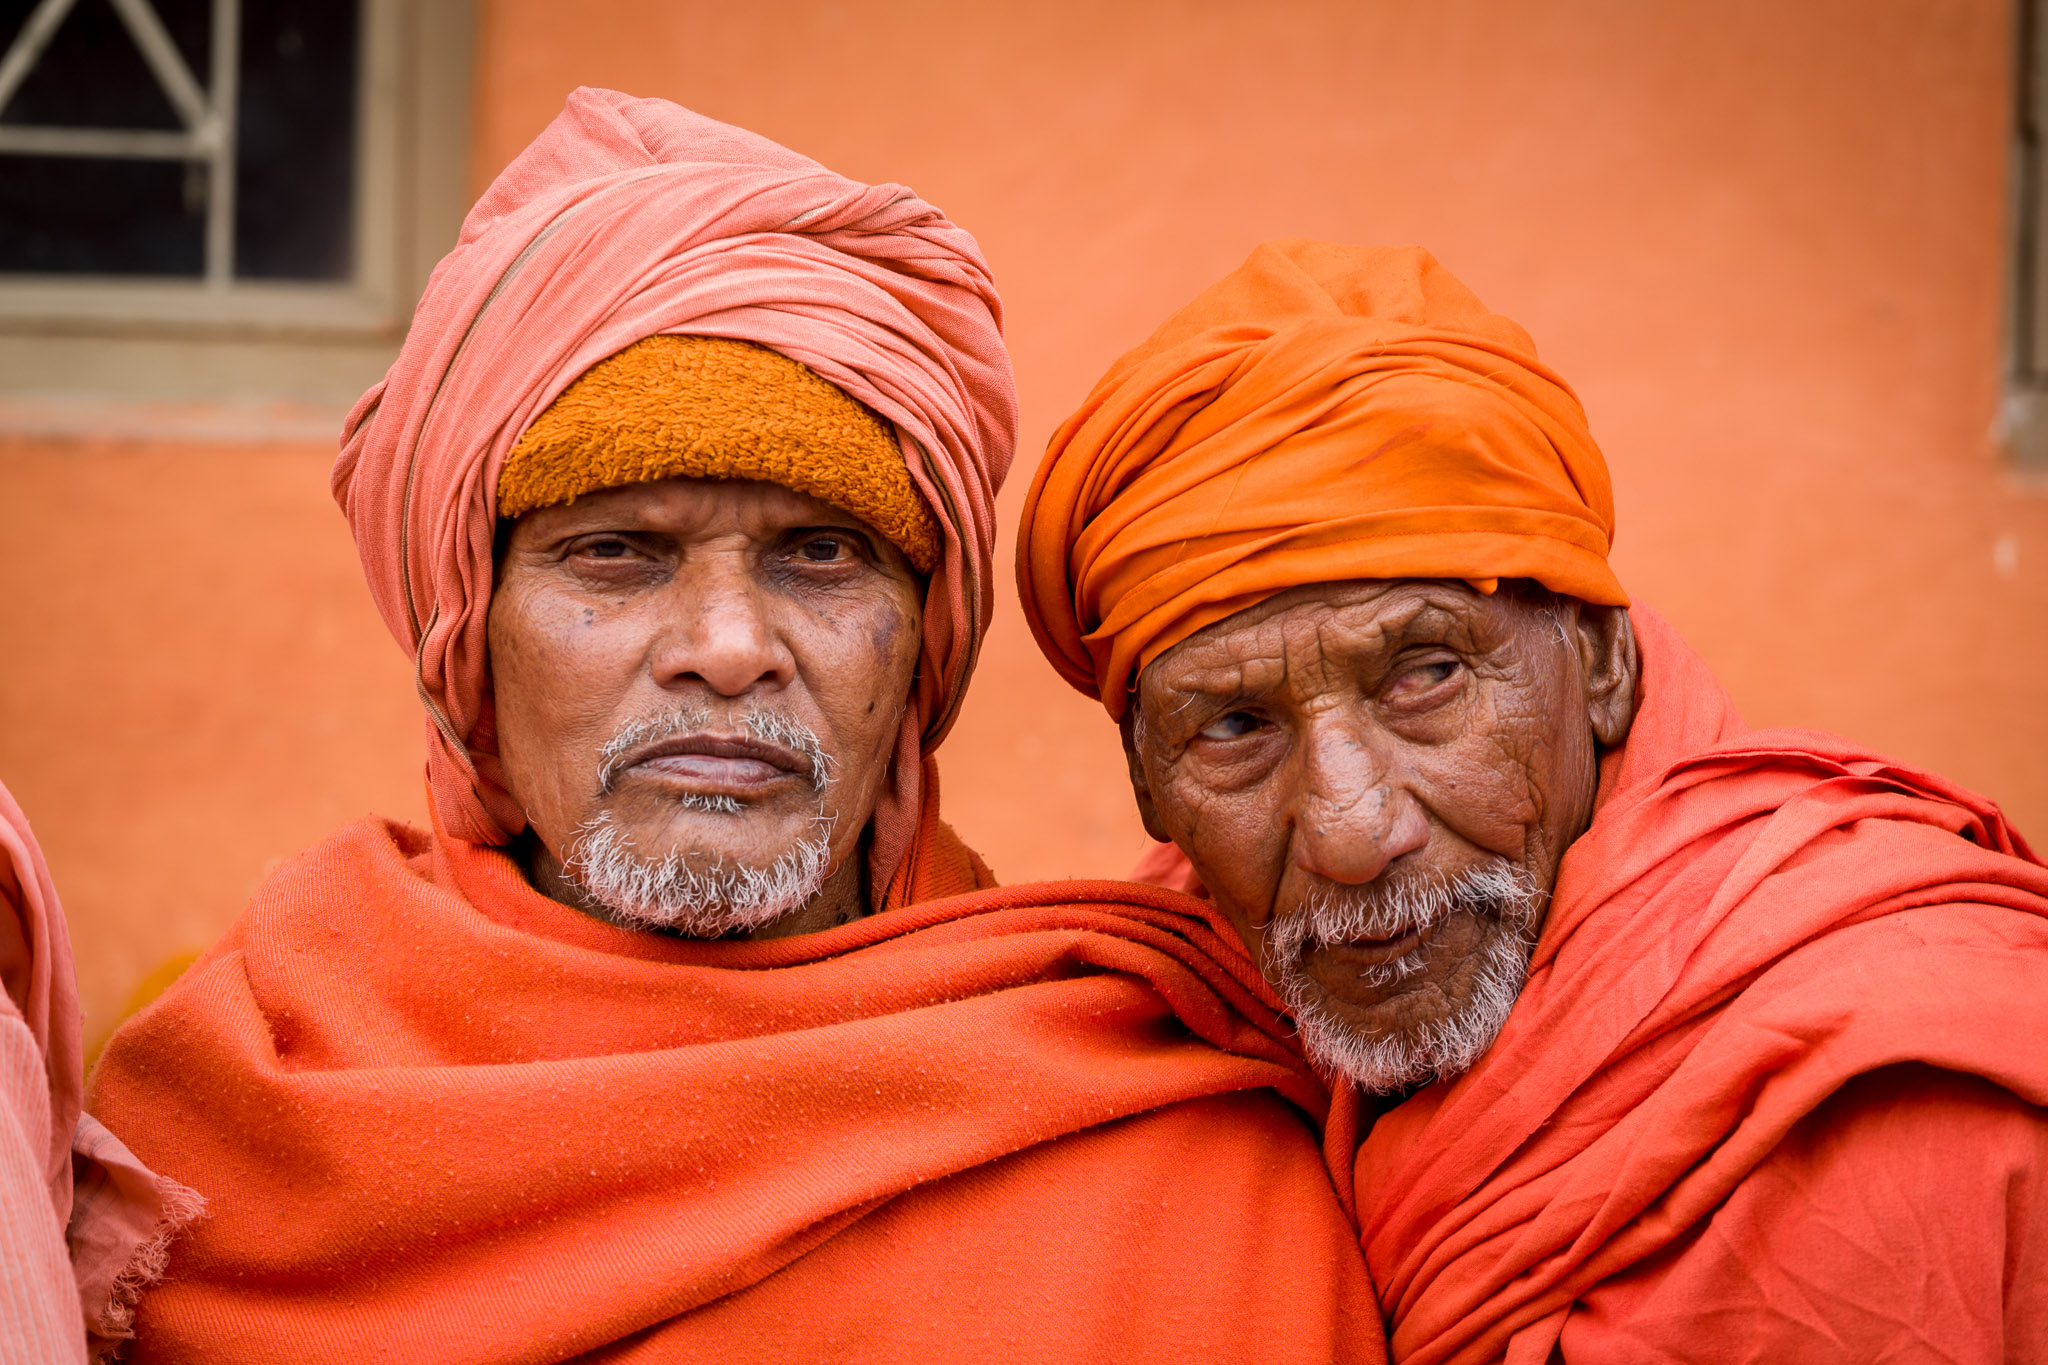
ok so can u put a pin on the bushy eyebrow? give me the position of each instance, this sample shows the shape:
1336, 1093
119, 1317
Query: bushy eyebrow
1207, 680
1435, 623
589, 517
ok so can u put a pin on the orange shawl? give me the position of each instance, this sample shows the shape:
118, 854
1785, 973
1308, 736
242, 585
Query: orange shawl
439, 1117
1756, 926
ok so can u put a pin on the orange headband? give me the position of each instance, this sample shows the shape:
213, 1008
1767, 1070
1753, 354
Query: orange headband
709, 408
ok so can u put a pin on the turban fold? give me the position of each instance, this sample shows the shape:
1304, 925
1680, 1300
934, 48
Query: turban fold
629, 218
1323, 413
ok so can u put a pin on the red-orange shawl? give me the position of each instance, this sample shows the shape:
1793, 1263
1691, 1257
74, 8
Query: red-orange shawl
1684, 1144
441, 1118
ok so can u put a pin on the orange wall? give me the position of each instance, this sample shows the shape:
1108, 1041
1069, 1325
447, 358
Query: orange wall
1763, 240
193, 686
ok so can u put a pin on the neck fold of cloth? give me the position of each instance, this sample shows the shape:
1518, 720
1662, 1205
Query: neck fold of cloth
428, 1103
1754, 918
629, 218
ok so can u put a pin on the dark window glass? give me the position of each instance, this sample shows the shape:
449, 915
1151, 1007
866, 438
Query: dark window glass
55, 216
295, 146
295, 167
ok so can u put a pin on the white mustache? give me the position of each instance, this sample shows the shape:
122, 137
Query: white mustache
1386, 1063
1383, 910
770, 727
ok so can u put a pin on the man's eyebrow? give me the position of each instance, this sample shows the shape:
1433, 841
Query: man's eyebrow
1233, 676
1205, 681
1434, 621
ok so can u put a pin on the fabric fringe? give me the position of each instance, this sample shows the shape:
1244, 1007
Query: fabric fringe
114, 1325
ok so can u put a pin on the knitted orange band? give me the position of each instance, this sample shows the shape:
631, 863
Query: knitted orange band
710, 408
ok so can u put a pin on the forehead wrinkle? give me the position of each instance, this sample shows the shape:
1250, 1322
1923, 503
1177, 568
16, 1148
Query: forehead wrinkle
1222, 663
1233, 677
1372, 623
1442, 615
1349, 635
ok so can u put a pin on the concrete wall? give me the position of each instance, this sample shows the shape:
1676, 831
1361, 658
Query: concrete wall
1764, 242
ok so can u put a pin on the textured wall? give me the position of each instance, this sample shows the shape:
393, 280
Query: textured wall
1764, 242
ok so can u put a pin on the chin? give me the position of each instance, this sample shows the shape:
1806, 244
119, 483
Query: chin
706, 833
702, 888
1398, 1039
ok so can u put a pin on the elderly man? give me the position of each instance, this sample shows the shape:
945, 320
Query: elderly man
1677, 1040
691, 1032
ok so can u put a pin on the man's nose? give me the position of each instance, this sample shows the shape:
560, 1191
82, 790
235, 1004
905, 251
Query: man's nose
720, 632
1351, 819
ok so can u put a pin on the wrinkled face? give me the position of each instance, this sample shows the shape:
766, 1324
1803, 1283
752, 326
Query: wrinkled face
1376, 781
699, 685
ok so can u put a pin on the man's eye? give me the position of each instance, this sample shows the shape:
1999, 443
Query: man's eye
607, 549
823, 549
1236, 725
1424, 677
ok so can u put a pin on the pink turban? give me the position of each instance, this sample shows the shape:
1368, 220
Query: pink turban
629, 218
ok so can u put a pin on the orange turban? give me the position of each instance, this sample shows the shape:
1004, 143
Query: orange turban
1322, 413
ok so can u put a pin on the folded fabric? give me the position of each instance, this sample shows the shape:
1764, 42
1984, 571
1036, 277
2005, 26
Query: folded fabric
1757, 922
83, 1224
441, 1117
1322, 413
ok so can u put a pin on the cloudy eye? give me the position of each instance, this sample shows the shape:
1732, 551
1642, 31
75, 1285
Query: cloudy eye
1424, 678
1235, 725
607, 549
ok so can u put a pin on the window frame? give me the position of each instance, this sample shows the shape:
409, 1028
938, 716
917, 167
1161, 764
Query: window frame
414, 73
2023, 415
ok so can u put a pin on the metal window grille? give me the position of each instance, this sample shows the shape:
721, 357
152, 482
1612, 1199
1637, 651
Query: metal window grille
220, 202
207, 138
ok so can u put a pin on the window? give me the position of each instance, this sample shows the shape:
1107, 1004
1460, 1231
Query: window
222, 199
2024, 422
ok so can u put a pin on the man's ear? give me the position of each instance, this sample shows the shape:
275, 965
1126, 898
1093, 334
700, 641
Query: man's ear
1607, 654
1140, 789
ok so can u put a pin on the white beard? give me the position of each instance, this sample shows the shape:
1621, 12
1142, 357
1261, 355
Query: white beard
667, 893
1386, 1063
700, 902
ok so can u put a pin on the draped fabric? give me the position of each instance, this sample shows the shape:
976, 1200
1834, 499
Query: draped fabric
1775, 970
82, 1222
41, 1095
440, 1117
1322, 413
629, 218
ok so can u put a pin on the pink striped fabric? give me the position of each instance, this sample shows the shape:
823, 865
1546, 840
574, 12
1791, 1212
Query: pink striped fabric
42, 1091
83, 1224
